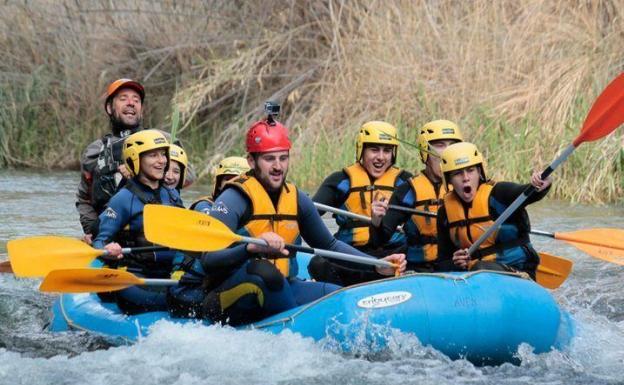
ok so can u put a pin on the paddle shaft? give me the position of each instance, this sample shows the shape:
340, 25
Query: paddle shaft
325, 253
565, 238
557, 236
128, 250
520, 200
159, 282
346, 213
543, 233
364, 218
413, 211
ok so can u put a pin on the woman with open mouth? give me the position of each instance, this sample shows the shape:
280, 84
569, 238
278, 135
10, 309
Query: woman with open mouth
473, 205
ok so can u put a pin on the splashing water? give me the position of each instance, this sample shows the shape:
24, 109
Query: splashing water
36, 204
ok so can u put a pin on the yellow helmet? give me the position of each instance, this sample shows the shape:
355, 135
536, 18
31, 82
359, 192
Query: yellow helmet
461, 155
232, 165
178, 154
139, 143
437, 130
379, 133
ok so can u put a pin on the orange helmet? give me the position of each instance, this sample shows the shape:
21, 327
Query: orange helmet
118, 84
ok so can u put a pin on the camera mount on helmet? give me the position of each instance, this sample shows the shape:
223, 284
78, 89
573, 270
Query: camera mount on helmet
272, 109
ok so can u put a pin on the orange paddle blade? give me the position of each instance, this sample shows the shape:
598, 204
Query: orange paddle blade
88, 280
37, 256
604, 243
552, 270
186, 229
606, 114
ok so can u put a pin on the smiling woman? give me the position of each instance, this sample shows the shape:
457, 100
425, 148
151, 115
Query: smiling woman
153, 166
146, 155
362, 188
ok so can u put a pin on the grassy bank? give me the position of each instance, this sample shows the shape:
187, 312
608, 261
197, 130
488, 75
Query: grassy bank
518, 76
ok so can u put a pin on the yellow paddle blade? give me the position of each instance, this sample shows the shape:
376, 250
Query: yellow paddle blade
88, 281
185, 229
552, 270
606, 244
37, 256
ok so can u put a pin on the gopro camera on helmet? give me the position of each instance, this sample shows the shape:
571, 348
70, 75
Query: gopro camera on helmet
272, 109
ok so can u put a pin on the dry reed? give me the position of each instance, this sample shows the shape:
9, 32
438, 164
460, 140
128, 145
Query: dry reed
518, 76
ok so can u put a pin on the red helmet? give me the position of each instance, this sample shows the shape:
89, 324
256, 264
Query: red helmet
118, 84
265, 137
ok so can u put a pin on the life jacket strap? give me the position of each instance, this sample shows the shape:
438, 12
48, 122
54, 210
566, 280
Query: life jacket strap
427, 240
144, 196
428, 202
470, 221
274, 217
364, 189
422, 239
371, 188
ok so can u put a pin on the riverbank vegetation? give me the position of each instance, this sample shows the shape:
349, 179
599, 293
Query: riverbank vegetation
519, 77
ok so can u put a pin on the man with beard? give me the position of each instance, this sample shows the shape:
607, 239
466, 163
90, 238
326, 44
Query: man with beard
247, 282
103, 171
473, 205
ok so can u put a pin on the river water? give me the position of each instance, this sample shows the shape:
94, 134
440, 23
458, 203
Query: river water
43, 203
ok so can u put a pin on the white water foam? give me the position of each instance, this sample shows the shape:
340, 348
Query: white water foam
196, 354
193, 354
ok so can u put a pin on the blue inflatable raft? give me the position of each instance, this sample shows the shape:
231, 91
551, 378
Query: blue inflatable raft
481, 316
